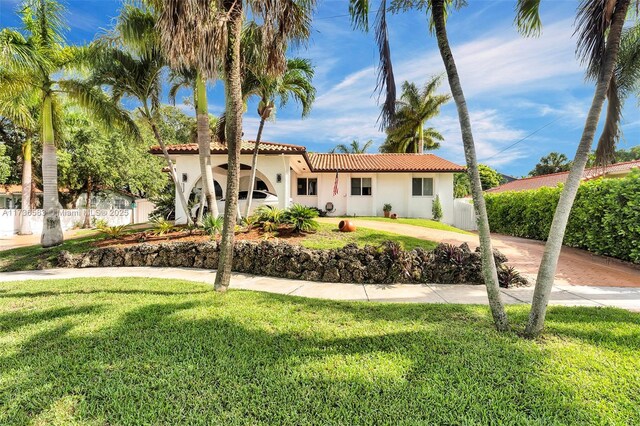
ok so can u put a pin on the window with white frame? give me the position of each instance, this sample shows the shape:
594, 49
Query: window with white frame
360, 186
307, 186
422, 187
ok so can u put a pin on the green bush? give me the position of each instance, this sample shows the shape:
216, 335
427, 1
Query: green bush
302, 218
436, 209
161, 226
115, 232
605, 218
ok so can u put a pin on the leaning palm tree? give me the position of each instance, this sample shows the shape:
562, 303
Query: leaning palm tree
413, 109
21, 108
294, 83
438, 9
353, 148
600, 26
189, 77
207, 36
35, 58
130, 63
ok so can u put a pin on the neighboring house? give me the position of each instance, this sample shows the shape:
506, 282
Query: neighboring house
106, 199
617, 170
11, 196
342, 184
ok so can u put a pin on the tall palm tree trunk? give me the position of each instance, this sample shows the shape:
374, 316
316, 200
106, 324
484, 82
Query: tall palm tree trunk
172, 172
254, 165
87, 204
25, 220
489, 271
234, 107
421, 133
204, 149
51, 228
549, 263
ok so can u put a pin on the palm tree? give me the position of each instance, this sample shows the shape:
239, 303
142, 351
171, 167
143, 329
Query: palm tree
554, 162
353, 148
189, 77
34, 59
600, 27
625, 81
295, 83
207, 35
131, 65
21, 108
438, 8
413, 109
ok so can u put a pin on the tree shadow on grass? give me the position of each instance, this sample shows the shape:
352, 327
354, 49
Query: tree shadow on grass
13, 320
7, 294
212, 359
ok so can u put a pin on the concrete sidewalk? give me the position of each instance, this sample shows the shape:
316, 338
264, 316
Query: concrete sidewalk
563, 295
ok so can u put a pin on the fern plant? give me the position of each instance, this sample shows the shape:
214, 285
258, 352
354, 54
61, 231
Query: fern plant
302, 218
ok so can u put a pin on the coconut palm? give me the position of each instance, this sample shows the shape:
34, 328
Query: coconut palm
600, 26
21, 108
207, 36
189, 77
353, 148
413, 109
439, 8
131, 65
35, 58
294, 83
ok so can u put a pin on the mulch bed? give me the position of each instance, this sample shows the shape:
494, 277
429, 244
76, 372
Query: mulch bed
149, 237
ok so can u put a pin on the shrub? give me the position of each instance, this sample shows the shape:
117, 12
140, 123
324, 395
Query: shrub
114, 232
605, 218
212, 225
302, 218
268, 218
387, 208
436, 209
161, 226
100, 223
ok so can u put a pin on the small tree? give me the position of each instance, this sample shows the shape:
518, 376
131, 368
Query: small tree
436, 209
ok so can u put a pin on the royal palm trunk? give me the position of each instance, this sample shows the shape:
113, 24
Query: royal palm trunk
489, 271
549, 262
233, 129
51, 229
25, 220
204, 149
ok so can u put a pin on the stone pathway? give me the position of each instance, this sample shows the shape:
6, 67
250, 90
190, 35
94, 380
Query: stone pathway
563, 295
575, 267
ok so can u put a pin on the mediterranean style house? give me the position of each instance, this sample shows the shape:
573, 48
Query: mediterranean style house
341, 184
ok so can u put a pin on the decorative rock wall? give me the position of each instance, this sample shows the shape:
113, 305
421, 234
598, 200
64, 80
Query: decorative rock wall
350, 264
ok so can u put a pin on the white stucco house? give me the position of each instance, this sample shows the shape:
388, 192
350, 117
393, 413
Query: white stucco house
365, 182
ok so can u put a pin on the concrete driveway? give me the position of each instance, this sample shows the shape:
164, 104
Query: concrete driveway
575, 267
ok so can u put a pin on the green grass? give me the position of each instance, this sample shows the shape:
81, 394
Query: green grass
149, 351
328, 237
31, 257
424, 223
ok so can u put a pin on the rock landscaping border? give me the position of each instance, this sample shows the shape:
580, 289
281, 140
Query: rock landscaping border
384, 264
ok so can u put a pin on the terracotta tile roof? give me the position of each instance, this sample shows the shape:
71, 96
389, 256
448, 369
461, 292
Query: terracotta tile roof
554, 179
381, 163
218, 148
14, 189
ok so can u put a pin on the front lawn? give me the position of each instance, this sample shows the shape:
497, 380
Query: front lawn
424, 223
328, 237
148, 351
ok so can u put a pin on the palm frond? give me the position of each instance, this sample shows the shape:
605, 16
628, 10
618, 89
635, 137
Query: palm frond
592, 22
44, 20
386, 81
100, 106
19, 53
528, 17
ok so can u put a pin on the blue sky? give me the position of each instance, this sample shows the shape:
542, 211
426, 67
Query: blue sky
515, 86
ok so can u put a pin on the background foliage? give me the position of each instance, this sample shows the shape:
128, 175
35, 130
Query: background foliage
605, 218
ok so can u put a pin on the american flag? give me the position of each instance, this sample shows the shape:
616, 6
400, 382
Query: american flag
335, 185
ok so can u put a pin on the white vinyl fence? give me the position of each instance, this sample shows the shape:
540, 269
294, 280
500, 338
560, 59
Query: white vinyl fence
10, 218
142, 210
464, 214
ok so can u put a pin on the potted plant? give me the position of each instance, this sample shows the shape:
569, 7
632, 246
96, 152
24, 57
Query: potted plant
387, 210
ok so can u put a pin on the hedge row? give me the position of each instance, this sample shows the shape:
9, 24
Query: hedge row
605, 218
